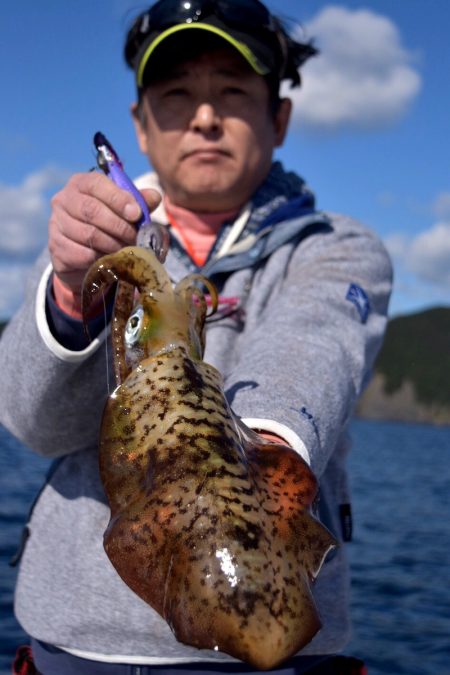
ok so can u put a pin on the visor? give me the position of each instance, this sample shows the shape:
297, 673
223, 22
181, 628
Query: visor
241, 47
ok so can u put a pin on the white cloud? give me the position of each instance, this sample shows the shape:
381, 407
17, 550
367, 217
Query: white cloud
24, 211
363, 76
396, 244
386, 199
427, 255
441, 205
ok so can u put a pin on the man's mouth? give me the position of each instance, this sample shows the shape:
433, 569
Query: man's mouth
206, 152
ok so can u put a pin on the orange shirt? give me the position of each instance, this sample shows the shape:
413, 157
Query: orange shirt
197, 231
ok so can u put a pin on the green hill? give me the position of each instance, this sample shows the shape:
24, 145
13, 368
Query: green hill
412, 371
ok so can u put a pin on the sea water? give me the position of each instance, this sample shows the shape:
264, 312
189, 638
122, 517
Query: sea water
400, 553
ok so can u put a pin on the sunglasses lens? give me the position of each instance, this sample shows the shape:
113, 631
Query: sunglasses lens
248, 13
169, 12
242, 13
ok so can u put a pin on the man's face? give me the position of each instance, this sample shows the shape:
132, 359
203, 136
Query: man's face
208, 131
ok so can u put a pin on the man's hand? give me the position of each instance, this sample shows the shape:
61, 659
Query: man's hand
90, 217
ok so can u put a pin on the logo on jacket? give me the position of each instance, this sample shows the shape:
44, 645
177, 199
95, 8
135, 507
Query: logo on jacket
359, 298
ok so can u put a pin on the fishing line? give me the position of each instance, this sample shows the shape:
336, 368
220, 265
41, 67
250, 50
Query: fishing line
105, 318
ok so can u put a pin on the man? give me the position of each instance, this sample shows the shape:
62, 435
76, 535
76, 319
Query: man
305, 302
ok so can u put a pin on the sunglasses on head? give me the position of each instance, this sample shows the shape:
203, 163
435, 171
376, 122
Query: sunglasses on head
243, 15
248, 17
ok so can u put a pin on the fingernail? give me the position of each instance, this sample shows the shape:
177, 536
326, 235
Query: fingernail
131, 211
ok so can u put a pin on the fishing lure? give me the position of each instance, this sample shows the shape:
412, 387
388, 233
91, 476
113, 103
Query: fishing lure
150, 234
210, 524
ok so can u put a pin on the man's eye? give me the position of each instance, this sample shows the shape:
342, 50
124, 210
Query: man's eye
176, 92
234, 90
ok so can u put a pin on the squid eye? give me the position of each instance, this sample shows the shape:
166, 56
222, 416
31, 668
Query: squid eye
134, 326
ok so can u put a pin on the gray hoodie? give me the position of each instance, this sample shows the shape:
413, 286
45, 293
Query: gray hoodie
313, 292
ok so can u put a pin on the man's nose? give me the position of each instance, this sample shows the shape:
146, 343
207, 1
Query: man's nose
205, 118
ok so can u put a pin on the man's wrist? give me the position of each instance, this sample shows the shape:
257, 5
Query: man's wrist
65, 299
274, 438
285, 434
66, 326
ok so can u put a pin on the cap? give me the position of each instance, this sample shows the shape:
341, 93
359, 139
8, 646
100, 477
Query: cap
247, 25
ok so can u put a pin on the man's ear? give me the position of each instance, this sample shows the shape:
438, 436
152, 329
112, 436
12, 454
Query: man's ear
138, 117
282, 117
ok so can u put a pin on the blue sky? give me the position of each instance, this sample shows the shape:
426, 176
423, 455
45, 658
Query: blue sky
370, 132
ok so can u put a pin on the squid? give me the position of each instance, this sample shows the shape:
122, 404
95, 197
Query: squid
210, 524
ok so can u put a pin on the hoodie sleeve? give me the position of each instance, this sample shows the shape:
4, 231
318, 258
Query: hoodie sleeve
43, 386
316, 317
